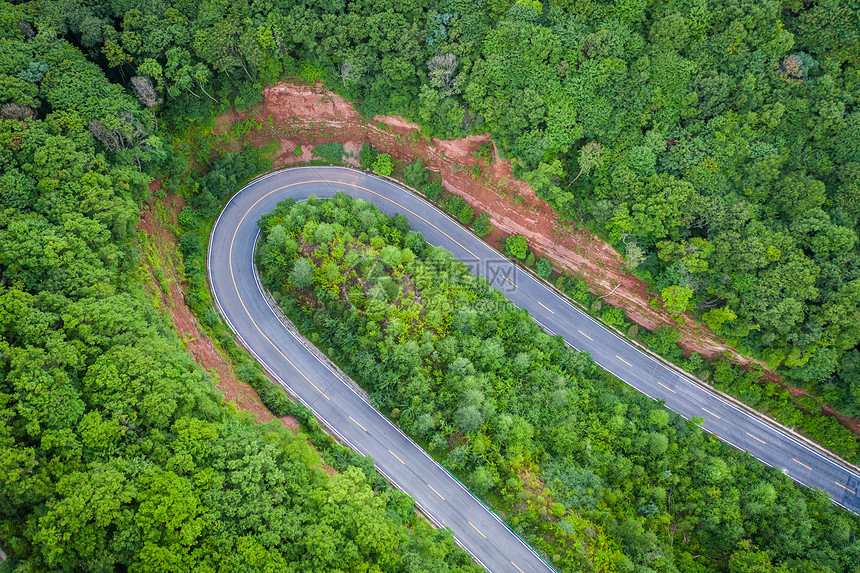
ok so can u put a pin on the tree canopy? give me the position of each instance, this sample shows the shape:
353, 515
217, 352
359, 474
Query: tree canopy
716, 140
727, 122
116, 451
593, 473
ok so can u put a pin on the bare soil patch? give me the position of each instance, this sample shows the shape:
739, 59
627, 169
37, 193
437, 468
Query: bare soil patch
308, 115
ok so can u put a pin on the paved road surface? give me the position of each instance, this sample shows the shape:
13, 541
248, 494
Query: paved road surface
439, 494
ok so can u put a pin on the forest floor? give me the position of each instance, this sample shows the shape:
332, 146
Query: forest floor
300, 117
159, 225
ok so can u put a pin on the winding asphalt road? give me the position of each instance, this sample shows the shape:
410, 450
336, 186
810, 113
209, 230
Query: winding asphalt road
440, 495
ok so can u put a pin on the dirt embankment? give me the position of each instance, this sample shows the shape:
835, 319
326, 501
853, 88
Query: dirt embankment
164, 263
304, 116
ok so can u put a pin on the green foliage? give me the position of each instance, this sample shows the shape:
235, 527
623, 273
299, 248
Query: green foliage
642, 160
415, 174
485, 152
466, 214
383, 165
516, 246
433, 190
34, 73
481, 480
331, 152
544, 268
274, 398
367, 156
613, 316
664, 341
517, 415
482, 226
718, 317
226, 176
676, 298
452, 204
311, 72
302, 275
590, 157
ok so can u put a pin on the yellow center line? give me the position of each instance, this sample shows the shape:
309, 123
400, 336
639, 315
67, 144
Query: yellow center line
436, 492
666, 387
585, 335
518, 569
624, 361
478, 530
801, 463
711, 413
509, 280
754, 438
837, 483
396, 456
357, 424
543, 305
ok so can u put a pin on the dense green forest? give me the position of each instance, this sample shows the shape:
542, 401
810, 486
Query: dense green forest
116, 453
593, 473
713, 141
802, 413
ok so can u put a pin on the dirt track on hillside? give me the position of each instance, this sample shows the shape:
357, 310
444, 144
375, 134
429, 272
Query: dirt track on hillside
304, 116
307, 116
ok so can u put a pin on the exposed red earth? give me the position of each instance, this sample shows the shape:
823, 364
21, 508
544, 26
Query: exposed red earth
304, 116
307, 116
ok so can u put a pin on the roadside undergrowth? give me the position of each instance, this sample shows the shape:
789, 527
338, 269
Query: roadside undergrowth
158, 232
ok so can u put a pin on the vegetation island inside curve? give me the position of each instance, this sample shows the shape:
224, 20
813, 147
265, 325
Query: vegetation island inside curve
712, 143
